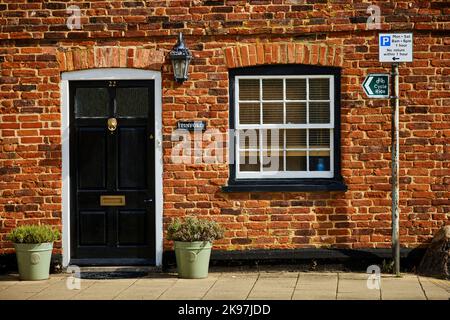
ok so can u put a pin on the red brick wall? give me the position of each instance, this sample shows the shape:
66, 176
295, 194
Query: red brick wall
36, 46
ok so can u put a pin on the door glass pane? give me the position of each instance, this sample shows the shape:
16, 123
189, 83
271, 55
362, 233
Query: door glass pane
319, 160
249, 113
272, 113
249, 89
319, 138
91, 102
319, 89
132, 102
272, 89
296, 138
249, 161
319, 112
295, 112
295, 160
296, 89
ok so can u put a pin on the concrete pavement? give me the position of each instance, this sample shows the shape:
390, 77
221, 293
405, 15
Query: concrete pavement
232, 285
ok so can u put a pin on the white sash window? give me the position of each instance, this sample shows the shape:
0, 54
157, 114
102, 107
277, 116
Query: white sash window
284, 126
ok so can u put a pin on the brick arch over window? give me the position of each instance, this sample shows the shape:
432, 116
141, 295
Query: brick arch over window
110, 57
283, 53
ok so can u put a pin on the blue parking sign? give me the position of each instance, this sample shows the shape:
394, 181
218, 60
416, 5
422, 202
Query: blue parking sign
385, 41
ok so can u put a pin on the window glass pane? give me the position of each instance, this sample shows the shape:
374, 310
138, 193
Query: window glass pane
272, 89
132, 102
295, 112
295, 160
319, 161
91, 102
319, 138
249, 113
179, 68
319, 112
296, 89
296, 138
249, 89
319, 89
249, 139
273, 161
273, 139
249, 161
272, 113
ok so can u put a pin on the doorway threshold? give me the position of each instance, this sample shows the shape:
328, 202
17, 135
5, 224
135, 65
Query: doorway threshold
116, 263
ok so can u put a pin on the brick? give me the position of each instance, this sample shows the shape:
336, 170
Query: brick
222, 38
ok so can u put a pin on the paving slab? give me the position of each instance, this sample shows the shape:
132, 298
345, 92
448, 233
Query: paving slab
353, 276
188, 289
147, 288
355, 287
142, 293
435, 289
273, 288
231, 288
23, 290
316, 286
406, 287
253, 275
55, 294
104, 289
278, 275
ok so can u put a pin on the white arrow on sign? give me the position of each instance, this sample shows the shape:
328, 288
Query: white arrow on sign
367, 85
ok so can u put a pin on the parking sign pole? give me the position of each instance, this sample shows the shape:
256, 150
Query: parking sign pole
395, 48
395, 168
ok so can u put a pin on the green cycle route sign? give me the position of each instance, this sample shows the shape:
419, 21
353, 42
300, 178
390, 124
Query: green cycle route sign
376, 85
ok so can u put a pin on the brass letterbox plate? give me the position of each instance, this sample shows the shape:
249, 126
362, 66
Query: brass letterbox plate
112, 201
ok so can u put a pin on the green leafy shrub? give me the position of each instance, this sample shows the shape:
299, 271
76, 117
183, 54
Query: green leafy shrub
193, 229
34, 234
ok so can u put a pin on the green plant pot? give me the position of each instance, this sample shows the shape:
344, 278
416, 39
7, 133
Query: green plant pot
33, 260
192, 259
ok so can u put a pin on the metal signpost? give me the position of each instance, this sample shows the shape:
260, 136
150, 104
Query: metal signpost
395, 48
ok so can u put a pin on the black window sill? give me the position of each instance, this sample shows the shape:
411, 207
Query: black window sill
284, 186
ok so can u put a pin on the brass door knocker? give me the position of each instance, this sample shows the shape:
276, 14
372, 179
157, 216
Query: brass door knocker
112, 124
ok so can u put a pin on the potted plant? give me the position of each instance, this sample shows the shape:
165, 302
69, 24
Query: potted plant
192, 244
34, 245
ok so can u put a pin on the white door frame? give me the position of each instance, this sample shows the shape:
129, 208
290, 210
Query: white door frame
110, 74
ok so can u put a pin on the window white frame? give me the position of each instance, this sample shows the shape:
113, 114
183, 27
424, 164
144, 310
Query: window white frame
284, 174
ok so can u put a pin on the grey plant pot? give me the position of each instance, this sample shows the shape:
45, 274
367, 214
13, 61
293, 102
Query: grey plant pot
192, 259
33, 260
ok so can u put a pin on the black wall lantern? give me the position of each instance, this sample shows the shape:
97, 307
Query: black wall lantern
181, 57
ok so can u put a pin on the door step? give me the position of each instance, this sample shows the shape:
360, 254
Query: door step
149, 269
115, 272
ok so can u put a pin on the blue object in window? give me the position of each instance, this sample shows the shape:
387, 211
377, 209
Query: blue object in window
320, 164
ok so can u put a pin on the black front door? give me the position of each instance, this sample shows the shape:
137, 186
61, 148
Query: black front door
112, 171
